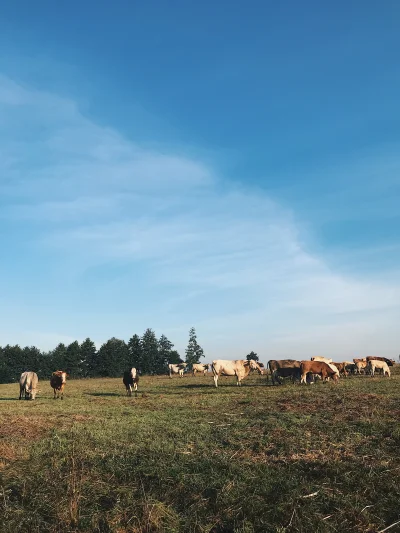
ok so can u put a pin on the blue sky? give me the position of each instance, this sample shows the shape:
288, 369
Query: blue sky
234, 167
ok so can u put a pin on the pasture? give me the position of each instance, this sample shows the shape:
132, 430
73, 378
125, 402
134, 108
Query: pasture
183, 456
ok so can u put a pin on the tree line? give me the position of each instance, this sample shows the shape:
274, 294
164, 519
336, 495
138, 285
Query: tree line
82, 360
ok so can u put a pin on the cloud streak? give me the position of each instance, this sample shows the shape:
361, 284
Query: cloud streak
182, 244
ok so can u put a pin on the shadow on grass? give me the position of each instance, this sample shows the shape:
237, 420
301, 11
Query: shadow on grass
15, 399
102, 394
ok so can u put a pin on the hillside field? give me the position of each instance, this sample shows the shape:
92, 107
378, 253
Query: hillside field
185, 457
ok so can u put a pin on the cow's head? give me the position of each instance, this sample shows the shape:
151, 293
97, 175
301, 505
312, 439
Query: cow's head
133, 372
61, 374
32, 394
255, 366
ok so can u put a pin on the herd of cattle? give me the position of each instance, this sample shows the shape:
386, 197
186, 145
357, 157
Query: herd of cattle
303, 371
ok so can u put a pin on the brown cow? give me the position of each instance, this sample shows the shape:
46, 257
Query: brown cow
317, 367
342, 368
57, 383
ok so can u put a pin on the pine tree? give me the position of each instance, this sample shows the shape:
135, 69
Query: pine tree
113, 358
252, 355
135, 352
89, 365
164, 354
73, 360
150, 361
194, 351
58, 356
175, 358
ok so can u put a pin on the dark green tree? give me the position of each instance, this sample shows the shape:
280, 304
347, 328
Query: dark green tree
89, 358
252, 355
135, 352
58, 356
113, 358
165, 354
150, 362
72, 362
194, 351
175, 358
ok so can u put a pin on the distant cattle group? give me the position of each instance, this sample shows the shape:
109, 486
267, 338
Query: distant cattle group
301, 371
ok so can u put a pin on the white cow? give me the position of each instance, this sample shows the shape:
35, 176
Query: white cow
28, 383
177, 369
239, 368
323, 359
334, 368
372, 365
198, 367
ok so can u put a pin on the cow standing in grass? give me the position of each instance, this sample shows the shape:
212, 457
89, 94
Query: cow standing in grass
373, 364
57, 383
28, 383
389, 362
239, 368
198, 367
176, 369
130, 379
320, 368
283, 368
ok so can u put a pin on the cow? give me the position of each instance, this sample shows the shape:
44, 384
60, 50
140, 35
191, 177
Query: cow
373, 364
360, 366
28, 383
324, 359
176, 369
198, 367
130, 379
389, 362
342, 368
239, 368
283, 368
317, 367
57, 383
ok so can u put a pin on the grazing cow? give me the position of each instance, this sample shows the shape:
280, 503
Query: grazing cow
373, 364
57, 383
389, 362
200, 368
130, 379
318, 367
342, 368
323, 359
28, 383
283, 368
177, 369
239, 368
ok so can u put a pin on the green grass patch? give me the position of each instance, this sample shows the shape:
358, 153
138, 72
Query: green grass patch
183, 456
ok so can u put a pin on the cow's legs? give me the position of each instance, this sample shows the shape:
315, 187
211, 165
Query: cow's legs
216, 379
304, 378
135, 386
129, 390
55, 394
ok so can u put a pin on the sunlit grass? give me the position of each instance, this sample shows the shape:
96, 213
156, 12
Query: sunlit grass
185, 457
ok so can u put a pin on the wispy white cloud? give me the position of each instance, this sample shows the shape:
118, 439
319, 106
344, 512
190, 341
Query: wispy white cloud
229, 259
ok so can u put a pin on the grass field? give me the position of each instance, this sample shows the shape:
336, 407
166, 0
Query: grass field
185, 457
